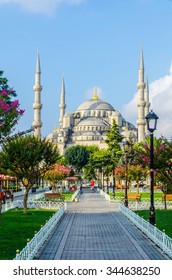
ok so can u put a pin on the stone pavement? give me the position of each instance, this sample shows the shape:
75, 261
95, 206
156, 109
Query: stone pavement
94, 229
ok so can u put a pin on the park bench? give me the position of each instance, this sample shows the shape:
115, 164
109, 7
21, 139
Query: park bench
155, 187
136, 196
168, 197
121, 187
54, 196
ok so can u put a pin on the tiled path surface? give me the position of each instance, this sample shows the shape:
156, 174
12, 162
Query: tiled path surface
94, 229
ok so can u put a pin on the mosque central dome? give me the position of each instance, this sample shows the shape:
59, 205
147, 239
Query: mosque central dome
95, 105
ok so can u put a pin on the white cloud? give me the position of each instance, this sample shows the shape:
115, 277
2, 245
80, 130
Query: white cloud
161, 103
40, 6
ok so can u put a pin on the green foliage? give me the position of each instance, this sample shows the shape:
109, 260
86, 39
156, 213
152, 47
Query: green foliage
97, 161
114, 138
162, 161
28, 158
16, 228
77, 156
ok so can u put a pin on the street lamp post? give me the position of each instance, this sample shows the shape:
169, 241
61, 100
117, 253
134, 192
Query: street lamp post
151, 121
126, 145
102, 176
113, 174
107, 177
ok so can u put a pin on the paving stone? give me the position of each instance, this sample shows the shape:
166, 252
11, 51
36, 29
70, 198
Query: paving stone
94, 229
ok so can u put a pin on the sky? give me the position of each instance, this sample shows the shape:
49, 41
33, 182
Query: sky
93, 43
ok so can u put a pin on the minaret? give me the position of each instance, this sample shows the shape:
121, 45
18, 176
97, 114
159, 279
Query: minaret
37, 106
62, 103
147, 105
140, 101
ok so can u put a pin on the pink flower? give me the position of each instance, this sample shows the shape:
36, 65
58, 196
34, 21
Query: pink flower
4, 92
15, 104
21, 112
161, 147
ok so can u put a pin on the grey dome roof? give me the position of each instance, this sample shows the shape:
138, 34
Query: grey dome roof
91, 122
95, 105
52, 136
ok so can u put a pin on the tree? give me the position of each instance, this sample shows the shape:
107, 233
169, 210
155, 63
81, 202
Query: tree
162, 161
114, 139
91, 167
56, 174
98, 163
9, 108
77, 156
136, 173
28, 158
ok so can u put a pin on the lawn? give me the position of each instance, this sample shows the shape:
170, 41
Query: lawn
163, 219
68, 195
157, 195
16, 228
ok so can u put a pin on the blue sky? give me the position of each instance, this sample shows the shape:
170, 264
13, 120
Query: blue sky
94, 43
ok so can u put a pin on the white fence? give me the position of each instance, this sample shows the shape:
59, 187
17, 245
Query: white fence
157, 236
144, 204
105, 195
31, 203
34, 203
32, 247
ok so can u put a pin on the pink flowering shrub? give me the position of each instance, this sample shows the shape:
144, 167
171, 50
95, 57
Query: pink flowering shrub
57, 173
162, 161
10, 111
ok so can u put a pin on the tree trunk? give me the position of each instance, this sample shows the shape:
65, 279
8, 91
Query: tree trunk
25, 200
165, 202
0, 211
137, 188
61, 187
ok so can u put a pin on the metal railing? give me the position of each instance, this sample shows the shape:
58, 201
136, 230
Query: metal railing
30, 251
157, 236
105, 195
9, 205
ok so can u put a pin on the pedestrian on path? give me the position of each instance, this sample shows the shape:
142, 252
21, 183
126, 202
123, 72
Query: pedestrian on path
92, 186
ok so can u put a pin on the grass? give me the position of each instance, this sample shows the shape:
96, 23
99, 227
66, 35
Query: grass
157, 195
16, 228
163, 219
68, 195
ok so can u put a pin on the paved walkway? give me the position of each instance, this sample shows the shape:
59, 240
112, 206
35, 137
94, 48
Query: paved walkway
94, 229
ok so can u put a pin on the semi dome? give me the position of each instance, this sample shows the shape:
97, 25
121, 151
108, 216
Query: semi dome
91, 122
